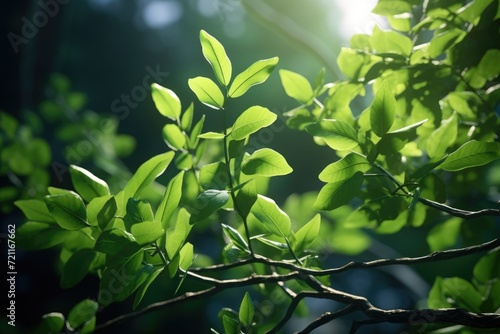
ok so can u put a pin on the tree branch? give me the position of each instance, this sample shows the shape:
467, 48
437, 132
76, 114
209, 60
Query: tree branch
326, 318
458, 212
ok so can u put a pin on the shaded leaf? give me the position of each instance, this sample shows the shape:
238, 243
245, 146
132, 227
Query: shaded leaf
77, 267
336, 194
81, 313
35, 210
382, 110
207, 203
68, 210
246, 312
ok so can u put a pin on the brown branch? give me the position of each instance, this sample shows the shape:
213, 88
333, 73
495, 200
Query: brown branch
326, 318
458, 212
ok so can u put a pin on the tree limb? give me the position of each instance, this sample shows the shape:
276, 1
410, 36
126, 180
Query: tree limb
458, 212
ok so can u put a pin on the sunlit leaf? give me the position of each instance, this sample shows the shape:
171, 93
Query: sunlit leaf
296, 86
471, 154
166, 101
68, 210
307, 234
339, 135
444, 235
216, 55
170, 200
271, 216
255, 74
344, 168
266, 162
87, 184
382, 110
52, 323
146, 232
35, 210
186, 256
81, 313
235, 237
246, 312
177, 234
214, 176
207, 92
336, 194
252, 120
173, 136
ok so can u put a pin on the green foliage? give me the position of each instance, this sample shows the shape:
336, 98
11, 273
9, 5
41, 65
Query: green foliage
432, 119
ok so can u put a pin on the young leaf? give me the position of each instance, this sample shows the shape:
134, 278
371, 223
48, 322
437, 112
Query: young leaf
35, 210
68, 210
193, 138
339, 135
87, 184
246, 312
214, 176
77, 267
81, 313
207, 203
307, 234
187, 118
255, 74
271, 216
207, 92
186, 256
170, 200
336, 194
166, 101
266, 162
382, 110
216, 55
296, 86
471, 154
344, 168
252, 120
147, 232
144, 287
235, 237
173, 136
231, 326
212, 135
146, 174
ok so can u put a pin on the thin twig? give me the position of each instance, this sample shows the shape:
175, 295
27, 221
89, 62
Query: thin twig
326, 318
458, 212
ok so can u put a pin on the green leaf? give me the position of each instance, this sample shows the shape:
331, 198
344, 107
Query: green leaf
487, 269
112, 241
272, 243
87, 184
216, 55
207, 203
444, 235
252, 120
454, 292
392, 7
443, 137
37, 236
211, 135
147, 232
186, 256
231, 326
166, 101
52, 323
77, 267
344, 168
296, 86
144, 287
187, 118
339, 135
246, 312
116, 277
382, 110
271, 216
255, 74
107, 212
428, 167
81, 313
173, 136
266, 162
35, 210
214, 176
193, 138
390, 42
207, 92
170, 200
177, 234
146, 174
137, 279
471, 154
336, 194
235, 237
68, 210
137, 212
307, 234
445, 40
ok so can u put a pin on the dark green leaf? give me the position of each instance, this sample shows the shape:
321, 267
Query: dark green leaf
487, 269
231, 326
137, 212
235, 237
336, 194
214, 176
81, 313
101, 211
255, 74
307, 234
77, 267
52, 323
207, 203
137, 279
36, 236
246, 312
113, 241
144, 287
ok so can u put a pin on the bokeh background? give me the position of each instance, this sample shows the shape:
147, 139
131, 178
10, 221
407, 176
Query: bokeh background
106, 48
